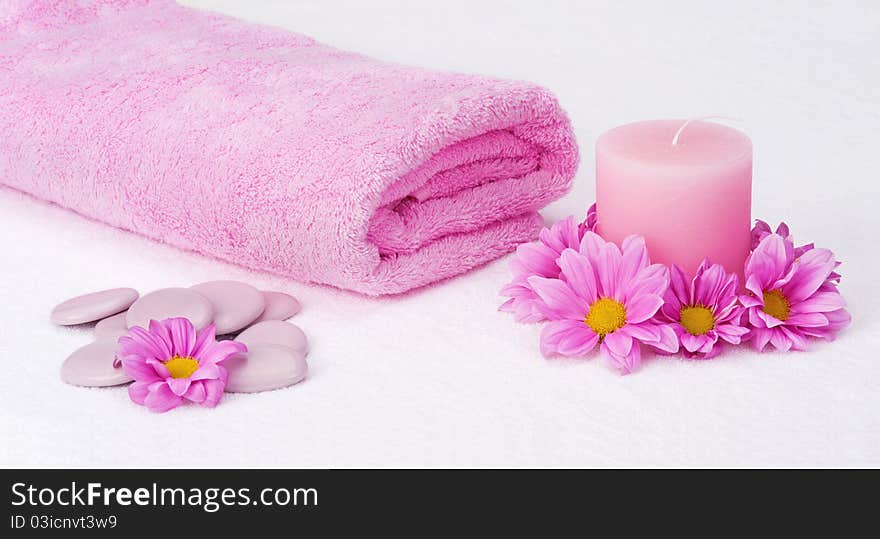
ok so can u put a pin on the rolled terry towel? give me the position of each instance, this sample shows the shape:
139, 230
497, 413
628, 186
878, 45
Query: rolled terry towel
269, 149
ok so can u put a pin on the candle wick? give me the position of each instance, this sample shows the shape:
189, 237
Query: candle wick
700, 119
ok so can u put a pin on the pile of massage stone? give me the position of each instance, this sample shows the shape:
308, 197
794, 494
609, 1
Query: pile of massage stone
276, 355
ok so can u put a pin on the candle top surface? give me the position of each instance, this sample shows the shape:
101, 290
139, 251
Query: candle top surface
701, 143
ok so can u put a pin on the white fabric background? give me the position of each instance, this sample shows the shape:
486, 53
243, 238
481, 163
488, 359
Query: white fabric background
438, 377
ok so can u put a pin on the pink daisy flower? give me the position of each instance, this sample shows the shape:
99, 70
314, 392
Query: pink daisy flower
539, 258
605, 296
791, 297
703, 310
171, 363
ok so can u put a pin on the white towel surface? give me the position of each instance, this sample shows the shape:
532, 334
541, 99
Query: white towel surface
439, 377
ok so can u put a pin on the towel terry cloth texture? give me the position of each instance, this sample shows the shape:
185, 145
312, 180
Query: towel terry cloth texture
268, 149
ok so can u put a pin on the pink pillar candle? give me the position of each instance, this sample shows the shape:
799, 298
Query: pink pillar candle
690, 199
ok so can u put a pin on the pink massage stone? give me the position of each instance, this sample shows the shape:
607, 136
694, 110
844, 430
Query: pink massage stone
94, 306
279, 306
171, 303
92, 366
113, 326
275, 332
236, 304
265, 367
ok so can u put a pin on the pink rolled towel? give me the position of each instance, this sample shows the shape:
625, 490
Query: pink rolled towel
269, 149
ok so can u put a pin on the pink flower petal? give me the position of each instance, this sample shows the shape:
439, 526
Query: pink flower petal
709, 340
162, 336
160, 368
782, 230
525, 305
578, 273
779, 340
754, 286
183, 336
776, 254
206, 371
139, 341
219, 351
812, 270
591, 245
179, 386
213, 392
626, 364
769, 320
204, 339
660, 336
838, 319
591, 221
820, 302
538, 259
529, 313
692, 343
807, 320
760, 337
607, 266
161, 398
138, 391
668, 341
139, 370
708, 284
798, 342
635, 257
562, 235
568, 338
731, 333
748, 300
196, 392
642, 308
618, 343
759, 231
560, 299
646, 333
761, 272
727, 311
679, 288
651, 280
711, 353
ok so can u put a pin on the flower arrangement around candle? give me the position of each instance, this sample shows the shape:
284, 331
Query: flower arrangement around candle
593, 293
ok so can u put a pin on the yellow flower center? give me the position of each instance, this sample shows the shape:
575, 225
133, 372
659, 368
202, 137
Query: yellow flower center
776, 304
181, 367
696, 319
606, 315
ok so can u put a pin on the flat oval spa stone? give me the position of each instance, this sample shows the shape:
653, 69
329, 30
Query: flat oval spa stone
113, 326
236, 304
275, 332
92, 366
94, 306
171, 303
279, 306
265, 367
